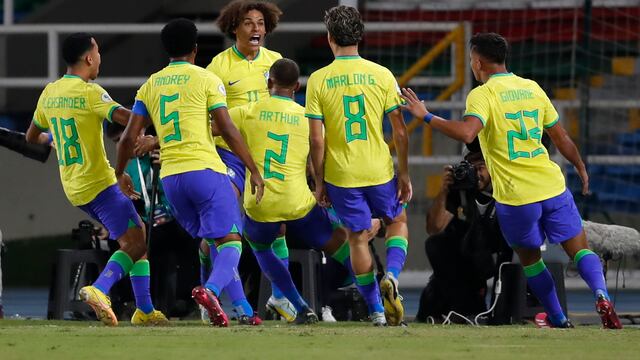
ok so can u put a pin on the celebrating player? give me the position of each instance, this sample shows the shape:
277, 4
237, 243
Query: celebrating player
508, 114
179, 100
355, 171
74, 110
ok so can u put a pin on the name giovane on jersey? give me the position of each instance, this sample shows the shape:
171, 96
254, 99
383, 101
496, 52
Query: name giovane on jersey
350, 79
516, 95
171, 80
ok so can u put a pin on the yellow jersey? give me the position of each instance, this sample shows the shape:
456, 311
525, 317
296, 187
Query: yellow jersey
178, 99
74, 111
277, 135
244, 80
351, 96
514, 112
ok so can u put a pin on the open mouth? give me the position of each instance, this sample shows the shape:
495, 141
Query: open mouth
254, 40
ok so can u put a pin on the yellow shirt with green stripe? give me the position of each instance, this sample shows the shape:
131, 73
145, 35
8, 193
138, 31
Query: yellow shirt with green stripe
277, 135
74, 111
244, 80
178, 99
351, 96
514, 112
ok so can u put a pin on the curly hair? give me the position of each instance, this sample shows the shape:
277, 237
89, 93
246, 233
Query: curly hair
232, 15
345, 25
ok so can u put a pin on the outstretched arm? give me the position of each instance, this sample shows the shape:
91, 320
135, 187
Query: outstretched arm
465, 130
568, 149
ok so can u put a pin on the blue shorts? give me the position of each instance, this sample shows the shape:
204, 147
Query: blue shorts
235, 168
356, 206
114, 211
204, 203
527, 225
315, 228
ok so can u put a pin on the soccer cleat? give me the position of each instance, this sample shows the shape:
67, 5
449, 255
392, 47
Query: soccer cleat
209, 301
542, 321
378, 319
154, 318
608, 315
247, 320
306, 317
327, 314
393, 309
100, 303
283, 307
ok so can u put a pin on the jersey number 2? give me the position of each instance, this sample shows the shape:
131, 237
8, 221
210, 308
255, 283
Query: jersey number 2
524, 134
272, 155
70, 151
171, 117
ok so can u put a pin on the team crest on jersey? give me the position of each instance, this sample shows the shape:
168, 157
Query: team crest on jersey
222, 90
106, 98
266, 75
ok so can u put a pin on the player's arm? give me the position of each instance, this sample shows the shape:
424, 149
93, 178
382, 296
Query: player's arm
568, 149
125, 149
234, 139
465, 130
121, 116
316, 140
35, 135
438, 217
401, 141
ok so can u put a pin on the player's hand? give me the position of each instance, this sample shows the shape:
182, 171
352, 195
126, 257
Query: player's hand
413, 104
145, 144
585, 181
321, 195
447, 178
257, 186
405, 190
126, 185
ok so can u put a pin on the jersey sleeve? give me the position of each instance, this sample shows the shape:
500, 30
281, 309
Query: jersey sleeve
551, 116
393, 99
140, 105
100, 102
216, 93
39, 119
313, 108
478, 105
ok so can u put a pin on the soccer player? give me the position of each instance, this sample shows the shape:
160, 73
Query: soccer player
508, 114
244, 70
353, 166
179, 100
74, 110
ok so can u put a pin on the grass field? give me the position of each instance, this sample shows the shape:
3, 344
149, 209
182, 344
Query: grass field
21, 339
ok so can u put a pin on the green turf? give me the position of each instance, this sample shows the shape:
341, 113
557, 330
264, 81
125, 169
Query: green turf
21, 339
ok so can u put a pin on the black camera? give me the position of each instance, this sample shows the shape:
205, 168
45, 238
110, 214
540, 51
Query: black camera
465, 176
85, 235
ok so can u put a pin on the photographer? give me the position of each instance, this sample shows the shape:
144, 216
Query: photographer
464, 235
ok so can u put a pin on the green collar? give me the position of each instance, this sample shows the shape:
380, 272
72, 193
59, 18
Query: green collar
173, 63
70, 76
241, 56
348, 57
501, 74
282, 97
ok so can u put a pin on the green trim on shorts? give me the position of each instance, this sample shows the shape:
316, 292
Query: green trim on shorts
342, 253
397, 241
582, 253
209, 241
365, 279
132, 224
123, 259
280, 248
140, 268
534, 269
205, 259
237, 244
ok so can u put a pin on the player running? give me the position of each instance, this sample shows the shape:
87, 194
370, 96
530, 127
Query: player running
354, 170
508, 114
74, 110
179, 100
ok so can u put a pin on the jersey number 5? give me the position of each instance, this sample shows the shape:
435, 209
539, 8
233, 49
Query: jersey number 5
172, 116
70, 151
272, 155
524, 134
356, 125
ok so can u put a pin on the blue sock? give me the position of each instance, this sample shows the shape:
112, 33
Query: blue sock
225, 266
275, 270
590, 269
140, 282
396, 254
119, 264
368, 287
243, 307
541, 284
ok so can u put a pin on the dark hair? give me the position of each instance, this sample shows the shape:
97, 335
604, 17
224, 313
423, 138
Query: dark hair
491, 46
74, 46
233, 13
344, 24
284, 72
179, 37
